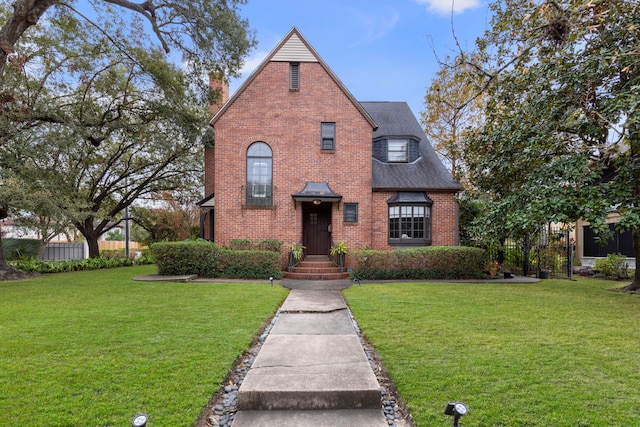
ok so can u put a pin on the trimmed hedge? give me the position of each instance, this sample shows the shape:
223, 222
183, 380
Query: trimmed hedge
206, 259
271, 245
429, 262
64, 266
188, 257
249, 264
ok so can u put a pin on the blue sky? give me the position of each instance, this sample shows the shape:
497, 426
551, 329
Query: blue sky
382, 50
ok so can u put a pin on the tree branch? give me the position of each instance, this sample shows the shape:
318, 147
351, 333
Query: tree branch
148, 10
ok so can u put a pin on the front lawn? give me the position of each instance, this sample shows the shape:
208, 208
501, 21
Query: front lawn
556, 353
94, 348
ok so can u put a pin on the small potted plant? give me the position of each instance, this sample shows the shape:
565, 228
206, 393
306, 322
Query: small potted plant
339, 250
492, 267
545, 260
296, 252
507, 270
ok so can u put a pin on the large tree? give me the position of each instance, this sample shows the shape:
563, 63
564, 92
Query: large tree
561, 139
95, 115
209, 33
452, 108
169, 220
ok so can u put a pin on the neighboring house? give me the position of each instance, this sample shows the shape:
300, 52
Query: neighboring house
12, 228
589, 247
296, 158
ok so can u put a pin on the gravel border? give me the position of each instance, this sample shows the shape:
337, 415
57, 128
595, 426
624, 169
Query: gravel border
221, 409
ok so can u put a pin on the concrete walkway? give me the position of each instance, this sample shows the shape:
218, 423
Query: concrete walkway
311, 369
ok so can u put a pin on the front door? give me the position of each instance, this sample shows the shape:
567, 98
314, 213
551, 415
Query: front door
317, 228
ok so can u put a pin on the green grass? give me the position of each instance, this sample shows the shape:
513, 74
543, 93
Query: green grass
95, 348
556, 353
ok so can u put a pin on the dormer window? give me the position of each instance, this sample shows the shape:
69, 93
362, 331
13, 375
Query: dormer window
398, 150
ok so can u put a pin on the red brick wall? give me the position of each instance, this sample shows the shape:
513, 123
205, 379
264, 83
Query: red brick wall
444, 220
290, 123
218, 83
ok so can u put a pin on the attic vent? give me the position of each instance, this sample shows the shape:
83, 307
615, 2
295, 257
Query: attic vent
294, 76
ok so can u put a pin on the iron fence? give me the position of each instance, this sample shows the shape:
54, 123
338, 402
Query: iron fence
548, 252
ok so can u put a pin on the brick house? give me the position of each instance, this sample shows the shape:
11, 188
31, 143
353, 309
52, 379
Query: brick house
296, 158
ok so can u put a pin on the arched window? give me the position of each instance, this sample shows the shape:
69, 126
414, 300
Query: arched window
259, 174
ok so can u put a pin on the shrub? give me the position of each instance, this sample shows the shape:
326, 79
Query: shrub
145, 256
429, 262
188, 257
113, 253
249, 264
614, 265
20, 248
43, 267
207, 259
271, 245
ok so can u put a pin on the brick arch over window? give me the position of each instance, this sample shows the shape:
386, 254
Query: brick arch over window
259, 174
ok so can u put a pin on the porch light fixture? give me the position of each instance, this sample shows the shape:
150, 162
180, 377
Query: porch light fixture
140, 420
317, 202
456, 410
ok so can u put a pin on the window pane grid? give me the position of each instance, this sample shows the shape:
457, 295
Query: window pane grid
328, 136
397, 150
350, 212
259, 175
409, 222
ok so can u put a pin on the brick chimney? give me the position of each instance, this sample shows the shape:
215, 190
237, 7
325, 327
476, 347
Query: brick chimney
220, 86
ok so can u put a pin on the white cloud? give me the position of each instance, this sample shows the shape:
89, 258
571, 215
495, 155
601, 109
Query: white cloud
372, 26
444, 7
252, 62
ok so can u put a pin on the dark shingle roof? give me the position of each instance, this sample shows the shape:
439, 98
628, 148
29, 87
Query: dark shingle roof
395, 119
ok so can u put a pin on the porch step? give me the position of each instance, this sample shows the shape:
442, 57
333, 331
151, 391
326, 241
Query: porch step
316, 276
306, 268
316, 267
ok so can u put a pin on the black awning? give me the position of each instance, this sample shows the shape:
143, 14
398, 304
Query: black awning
313, 191
207, 202
413, 197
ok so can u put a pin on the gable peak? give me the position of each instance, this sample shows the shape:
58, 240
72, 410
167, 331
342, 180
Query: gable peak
294, 48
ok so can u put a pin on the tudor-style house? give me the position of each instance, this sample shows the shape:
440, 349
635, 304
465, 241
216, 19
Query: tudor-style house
298, 159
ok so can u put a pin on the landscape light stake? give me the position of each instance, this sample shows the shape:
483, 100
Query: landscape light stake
456, 410
140, 420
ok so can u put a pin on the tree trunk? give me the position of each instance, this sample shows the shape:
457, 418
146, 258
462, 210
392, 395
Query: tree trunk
92, 242
91, 235
634, 287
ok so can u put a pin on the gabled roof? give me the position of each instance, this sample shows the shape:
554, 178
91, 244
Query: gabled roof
293, 48
395, 120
